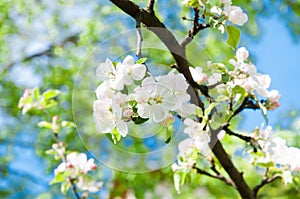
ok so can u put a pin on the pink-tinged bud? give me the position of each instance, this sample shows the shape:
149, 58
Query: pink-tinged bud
56, 171
128, 113
168, 121
94, 167
21, 105
55, 146
69, 165
273, 106
55, 118
27, 93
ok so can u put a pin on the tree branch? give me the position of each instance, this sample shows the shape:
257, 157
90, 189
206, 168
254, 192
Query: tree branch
246, 104
47, 51
264, 182
150, 6
139, 38
227, 164
219, 176
195, 29
242, 137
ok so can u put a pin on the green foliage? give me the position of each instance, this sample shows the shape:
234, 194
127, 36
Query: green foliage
234, 35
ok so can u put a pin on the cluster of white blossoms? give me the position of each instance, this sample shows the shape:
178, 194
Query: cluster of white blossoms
126, 93
245, 75
191, 148
218, 12
277, 153
76, 166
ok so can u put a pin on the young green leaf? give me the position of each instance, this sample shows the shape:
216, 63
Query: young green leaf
234, 36
141, 61
50, 94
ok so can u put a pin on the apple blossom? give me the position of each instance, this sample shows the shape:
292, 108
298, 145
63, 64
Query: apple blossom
123, 74
108, 116
200, 137
197, 74
76, 164
235, 14
88, 185
286, 159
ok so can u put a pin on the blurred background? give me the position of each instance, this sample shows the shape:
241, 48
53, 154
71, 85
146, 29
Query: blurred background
47, 43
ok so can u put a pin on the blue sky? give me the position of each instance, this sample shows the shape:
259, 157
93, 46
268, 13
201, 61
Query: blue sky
277, 55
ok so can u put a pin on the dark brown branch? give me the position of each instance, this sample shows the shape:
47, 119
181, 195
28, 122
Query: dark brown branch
246, 104
197, 27
264, 182
242, 137
74, 188
227, 164
219, 176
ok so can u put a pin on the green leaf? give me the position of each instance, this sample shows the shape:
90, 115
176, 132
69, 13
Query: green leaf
169, 131
234, 36
265, 164
210, 108
36, 93
59, 177
115, 135
142, 60
140, 120
44, 124
239, 94
67, 124
49, 94
179, 179
65, 187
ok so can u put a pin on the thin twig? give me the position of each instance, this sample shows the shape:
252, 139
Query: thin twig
197, 27
139, 37
264, 182
150, 6
219, 176
74, 188
246, 104
47, 51
242, 137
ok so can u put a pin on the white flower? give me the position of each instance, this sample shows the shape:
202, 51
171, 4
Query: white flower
235, 14
133, 71
108, 116
105, 70
80, 161
273, 95
200, 137
88, 185
226, 2
242, 54
104, 91
287, 177
77, 164
214, 78
197, 74
174, 82
216, 10
157, 97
